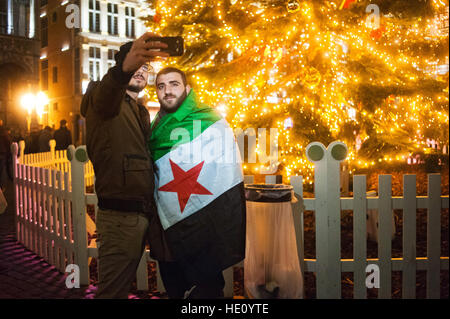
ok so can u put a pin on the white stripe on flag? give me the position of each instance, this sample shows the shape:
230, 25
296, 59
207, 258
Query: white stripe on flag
221, 171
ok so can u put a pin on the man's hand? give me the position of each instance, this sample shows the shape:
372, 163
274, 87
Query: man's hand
142, 52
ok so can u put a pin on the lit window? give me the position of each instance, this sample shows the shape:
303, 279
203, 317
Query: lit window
130, 21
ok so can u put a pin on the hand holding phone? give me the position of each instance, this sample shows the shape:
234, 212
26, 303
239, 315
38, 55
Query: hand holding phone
143, 51
175, 45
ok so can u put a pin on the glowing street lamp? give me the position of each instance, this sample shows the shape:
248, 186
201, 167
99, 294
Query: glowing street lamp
27, 101
34, 102
41, 101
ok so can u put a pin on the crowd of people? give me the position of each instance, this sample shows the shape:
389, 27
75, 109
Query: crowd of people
36, 141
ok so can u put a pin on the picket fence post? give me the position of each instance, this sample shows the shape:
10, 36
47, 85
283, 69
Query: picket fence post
298, 215
328, 215
434, 236
22, 151
14, 152
52, 144
78, 157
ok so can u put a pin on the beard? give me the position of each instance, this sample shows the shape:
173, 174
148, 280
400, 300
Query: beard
135, 88
133, 85
171, 108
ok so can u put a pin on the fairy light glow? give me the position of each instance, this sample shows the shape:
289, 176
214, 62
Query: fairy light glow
383, 92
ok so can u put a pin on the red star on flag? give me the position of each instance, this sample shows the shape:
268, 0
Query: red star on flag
185, 183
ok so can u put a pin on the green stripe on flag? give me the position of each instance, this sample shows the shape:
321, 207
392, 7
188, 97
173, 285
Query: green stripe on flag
182, 126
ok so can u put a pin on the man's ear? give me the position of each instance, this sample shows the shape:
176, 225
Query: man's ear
188, 88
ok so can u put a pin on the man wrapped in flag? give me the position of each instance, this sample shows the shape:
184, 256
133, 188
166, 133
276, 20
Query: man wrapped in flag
199, 190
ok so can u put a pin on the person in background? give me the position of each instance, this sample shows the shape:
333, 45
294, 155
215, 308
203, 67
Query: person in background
5, 155
62, 136
44, 139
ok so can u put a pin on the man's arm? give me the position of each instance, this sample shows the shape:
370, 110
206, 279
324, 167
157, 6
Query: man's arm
107, 95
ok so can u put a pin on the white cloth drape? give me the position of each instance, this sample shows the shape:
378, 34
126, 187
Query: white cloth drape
271, 252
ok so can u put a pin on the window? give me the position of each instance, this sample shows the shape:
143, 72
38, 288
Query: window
43, 3
55, 74
44, 75
3, 17
130, 20
15, 18
54, 17
113, 15
77, 71
55, 106
94, 15
111, 61
94, 63
44, 32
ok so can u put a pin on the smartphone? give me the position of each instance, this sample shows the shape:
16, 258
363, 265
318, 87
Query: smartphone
175, 45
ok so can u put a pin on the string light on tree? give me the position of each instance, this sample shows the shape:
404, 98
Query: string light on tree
293, 6
383, 92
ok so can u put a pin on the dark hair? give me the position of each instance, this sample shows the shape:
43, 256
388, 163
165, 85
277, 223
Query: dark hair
170, 70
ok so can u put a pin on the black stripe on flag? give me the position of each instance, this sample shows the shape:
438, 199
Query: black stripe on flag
213, 238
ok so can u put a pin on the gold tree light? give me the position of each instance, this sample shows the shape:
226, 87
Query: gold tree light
383, 91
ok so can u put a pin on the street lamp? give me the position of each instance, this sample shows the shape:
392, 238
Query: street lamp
27, 102
34, 102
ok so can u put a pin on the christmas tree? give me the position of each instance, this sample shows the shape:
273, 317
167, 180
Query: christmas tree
373, 74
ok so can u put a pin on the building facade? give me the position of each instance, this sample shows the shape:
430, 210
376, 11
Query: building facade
19, 58
78, 41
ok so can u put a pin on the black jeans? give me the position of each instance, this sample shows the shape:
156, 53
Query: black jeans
177, 284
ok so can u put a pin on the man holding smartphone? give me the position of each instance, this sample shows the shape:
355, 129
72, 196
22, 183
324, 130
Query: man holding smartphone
117, 129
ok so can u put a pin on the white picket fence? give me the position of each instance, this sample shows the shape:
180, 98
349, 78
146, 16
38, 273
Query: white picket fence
54, 159
51, 209
51, 221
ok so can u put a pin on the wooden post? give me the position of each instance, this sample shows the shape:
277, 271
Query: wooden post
249, 179
52, 144
22, 150
14, 151
409, 237
228, 277
142, 273
384, 235
328, 215
434, 236
359, 236
77, 158
297, 214
270, 179
345, 176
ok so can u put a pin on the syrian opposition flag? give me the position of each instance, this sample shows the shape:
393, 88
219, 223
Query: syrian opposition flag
199, 188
